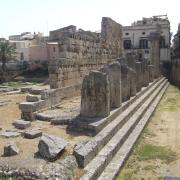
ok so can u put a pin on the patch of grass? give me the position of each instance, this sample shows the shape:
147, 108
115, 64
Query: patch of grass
18, 84
149, 152
148, 133
130, 169
171, 102
126, 175
69, 173
150, 167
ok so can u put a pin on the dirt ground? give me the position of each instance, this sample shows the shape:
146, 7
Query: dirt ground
155, 155
157, 152
28, 147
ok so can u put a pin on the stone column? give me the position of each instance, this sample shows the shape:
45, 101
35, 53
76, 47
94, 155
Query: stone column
95, 95
139, 75
131, 60
125, 83
145, 72
154, 37
133, 81
151, 73
113, 71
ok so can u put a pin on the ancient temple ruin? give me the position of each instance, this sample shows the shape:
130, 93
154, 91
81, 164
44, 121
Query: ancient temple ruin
76, 52
119, 92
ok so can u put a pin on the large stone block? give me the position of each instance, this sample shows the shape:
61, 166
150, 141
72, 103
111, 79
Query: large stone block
21, 124
28, 116
36, 91
32, 98
28, 106
25, 89
95, 95
51, 146
10, 149
33, 133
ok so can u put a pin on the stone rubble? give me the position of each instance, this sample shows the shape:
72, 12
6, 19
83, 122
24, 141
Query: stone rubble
33, 133
9, 133
11, 149
21, 124
32, 98
51, 146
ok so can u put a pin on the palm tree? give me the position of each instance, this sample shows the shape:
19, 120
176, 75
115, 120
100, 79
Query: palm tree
7, 52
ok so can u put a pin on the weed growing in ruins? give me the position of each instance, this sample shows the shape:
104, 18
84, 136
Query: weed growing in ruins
149, 152
126, 175
172, 103
150, 167
18, 84
149, 133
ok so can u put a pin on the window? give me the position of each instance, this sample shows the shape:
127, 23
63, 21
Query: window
127, 44
127, 34
54, 49
143, 44
143, 33
162, 43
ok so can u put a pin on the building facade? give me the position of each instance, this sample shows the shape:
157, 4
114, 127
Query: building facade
136, 36
29, 47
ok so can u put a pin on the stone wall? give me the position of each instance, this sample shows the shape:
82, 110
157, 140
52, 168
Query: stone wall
48, 99
76, 52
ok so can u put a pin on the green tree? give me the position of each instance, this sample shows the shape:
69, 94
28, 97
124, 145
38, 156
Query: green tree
7, 52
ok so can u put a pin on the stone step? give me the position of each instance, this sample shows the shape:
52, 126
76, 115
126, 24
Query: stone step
97, 125
88, 151
96, 166
113, 168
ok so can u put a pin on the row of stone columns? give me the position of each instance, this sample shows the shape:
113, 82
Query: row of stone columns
113, 84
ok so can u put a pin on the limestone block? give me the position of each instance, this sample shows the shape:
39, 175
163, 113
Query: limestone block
9, 133
47, 94
28, 116
51, 146
61, 120
21, 124
25, 89
95, 95
10, 149
33, 133
36, 91
28, 106
84, 152
32, 98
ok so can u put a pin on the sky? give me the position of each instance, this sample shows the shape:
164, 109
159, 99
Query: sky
17, 16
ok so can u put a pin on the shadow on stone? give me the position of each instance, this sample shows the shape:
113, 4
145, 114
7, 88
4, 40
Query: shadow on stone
37, 155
